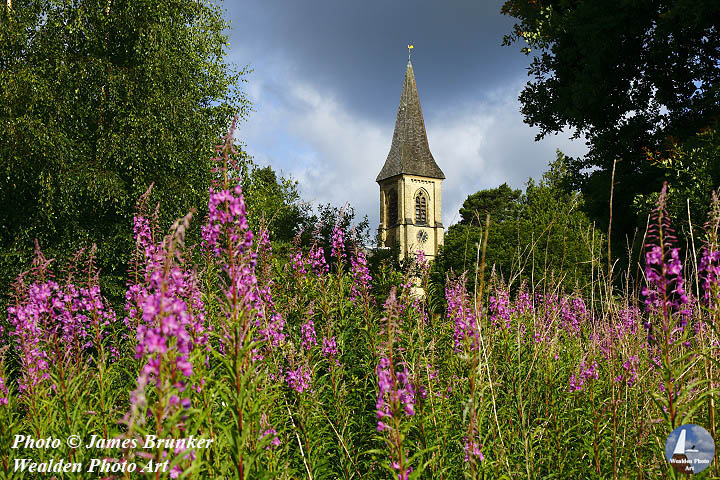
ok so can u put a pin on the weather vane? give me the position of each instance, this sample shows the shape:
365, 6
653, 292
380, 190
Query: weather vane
410, 47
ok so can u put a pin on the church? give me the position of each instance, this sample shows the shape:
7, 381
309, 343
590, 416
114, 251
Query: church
411, 182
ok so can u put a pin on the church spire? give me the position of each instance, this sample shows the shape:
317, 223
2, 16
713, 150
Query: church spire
410, 152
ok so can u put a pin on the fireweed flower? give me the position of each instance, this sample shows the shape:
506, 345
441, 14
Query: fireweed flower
268, 320
309, 337
587, 372
709, 270
26, 320
3, 392
573, 313
146, 254
53, 320
523, 301
226, 235
472, 449
422, 264
329, 347
275, 442
460, 311
166, 321
338, 242
317, 260
419, 307
395, 393
268, 430
549, 308
401, 475
500, 308
227, 209
629, 319
299, 379
629, 371
170, 322
360, 275
665, 290
298, 263
709, 265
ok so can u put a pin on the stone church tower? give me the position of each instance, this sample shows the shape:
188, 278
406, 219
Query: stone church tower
411, 182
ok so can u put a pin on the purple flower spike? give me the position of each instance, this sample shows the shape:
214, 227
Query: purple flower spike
664, 293
460, 311
299, 379
360, 275
338, 242
308, 334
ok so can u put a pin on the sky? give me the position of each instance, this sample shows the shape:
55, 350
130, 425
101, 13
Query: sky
325, 87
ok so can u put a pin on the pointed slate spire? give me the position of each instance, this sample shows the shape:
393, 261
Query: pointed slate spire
410, 152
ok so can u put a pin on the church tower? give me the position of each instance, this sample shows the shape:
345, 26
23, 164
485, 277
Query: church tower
411, 182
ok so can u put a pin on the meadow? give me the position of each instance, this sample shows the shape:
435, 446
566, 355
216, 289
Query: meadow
293, 366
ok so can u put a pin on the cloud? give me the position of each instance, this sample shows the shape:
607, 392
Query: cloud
485, 143
703, 441
336, 153
357, 49
325, 95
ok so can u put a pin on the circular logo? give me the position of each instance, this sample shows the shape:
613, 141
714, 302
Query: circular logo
689, 449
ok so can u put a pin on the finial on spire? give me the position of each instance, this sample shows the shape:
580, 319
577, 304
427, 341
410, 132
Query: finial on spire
410, 47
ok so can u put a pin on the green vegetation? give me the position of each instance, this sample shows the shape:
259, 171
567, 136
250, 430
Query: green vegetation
631, 78
541, 237
100, 99
253, 322
289, 366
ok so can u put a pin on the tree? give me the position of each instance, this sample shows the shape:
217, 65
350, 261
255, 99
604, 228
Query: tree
557, 242
276, 201
100, 99
322, 224
546, 240
460, 250
627, 76
501, 203
692, 170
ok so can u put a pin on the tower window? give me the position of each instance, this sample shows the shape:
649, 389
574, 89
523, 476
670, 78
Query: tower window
421, 208
392, 208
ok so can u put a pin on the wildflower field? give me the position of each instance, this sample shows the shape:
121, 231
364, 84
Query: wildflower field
232, 361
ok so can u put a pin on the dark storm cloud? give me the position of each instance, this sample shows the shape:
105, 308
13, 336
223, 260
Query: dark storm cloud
326, 86
355, 51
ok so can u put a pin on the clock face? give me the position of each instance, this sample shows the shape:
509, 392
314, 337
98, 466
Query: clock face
422, 236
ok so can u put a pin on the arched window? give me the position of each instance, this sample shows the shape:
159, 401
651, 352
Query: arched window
421, 208
392, 213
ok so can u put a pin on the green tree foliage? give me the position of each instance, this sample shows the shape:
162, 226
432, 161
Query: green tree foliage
627, 76
557, 240
537, 235
501, 203
692, 170
460, 252
276, 201
100, 99
319, 227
